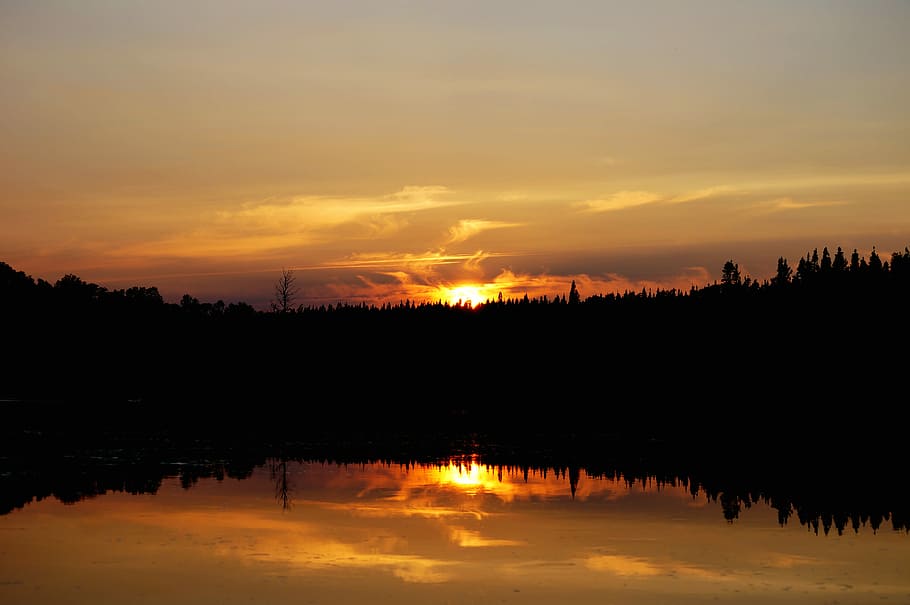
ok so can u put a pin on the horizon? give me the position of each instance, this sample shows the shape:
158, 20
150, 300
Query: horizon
398, 152
476, 295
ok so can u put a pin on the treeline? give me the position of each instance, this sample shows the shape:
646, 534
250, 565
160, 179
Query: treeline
834, 329
824, 273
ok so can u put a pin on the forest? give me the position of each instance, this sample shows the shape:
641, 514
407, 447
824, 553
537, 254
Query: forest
805, 344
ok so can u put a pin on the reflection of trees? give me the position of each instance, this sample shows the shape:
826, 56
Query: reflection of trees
278, 468
821, 505
730, 504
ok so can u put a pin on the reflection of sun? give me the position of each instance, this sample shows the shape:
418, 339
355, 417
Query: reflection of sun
471, 476
467, 475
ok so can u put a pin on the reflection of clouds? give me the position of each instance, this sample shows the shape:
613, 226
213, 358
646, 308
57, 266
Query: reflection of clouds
420, 571
786, 560
253, 538
624, 565
405, 522
367, 524
471, 539
324, 554
393, 509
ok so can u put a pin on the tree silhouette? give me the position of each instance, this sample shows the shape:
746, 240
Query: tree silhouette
854, 261
286, 291
574, 296
784, 272
730, 275
825, 265
875, 262
840, 261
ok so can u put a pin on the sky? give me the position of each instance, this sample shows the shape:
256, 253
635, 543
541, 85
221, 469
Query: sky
395, 150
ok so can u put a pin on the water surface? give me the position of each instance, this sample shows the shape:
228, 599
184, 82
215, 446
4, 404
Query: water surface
458, 532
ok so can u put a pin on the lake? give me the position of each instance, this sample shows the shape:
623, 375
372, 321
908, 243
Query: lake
454, 531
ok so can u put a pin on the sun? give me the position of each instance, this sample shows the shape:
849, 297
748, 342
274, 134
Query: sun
469, 295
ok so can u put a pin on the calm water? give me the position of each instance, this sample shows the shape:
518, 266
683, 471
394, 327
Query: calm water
452, 533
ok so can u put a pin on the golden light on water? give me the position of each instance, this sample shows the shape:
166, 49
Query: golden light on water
469, 475
460, 531
472, 477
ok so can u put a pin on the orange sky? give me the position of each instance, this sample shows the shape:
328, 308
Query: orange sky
397, 150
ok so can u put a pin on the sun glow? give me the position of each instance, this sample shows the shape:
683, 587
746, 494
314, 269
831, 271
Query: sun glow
469, 295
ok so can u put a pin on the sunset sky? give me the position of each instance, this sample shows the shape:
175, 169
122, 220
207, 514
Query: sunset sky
391, 150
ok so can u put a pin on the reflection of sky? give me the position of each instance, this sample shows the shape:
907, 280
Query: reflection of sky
378, 533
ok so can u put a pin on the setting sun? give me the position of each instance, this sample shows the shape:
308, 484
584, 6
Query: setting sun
467, 295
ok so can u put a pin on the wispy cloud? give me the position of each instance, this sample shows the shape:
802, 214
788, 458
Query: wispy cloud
468, 228
702, 194
787, 203
633, 198
395, 260
314, 212
618, 201
258, 227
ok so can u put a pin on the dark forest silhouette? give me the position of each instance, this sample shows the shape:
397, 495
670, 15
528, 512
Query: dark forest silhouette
835, 326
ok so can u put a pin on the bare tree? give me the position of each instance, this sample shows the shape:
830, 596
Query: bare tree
286, 291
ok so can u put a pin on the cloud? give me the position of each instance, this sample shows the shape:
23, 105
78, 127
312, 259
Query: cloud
411, 193
787, 203
408, 260
263, 226
619, 201
316, 212
513, 196
702, 194
633, 198
468, 228
472, 263
616, 283
514, 285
